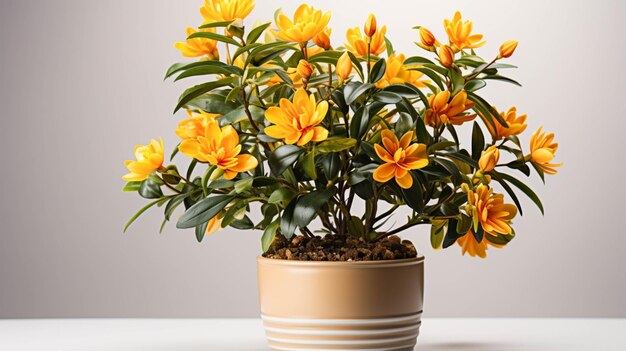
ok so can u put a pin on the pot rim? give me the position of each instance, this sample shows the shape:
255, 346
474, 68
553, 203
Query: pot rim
341, 264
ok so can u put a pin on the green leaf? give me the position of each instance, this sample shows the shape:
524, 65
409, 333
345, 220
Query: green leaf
356, 90
326, 57
131, 186
308, 165
216, 24
200, 230
436, 236
256, 33
287, 224
203, 211
432, 75
389, 46
243, 185
269, 234
175, 202
487, 107
144, 209
359, 122
478, 141
451, 168
335, 145
307, 206
356, 227
242, 224
502, 78
283, 157
464, 224
209, 69
331, 164
387, 97
458, 82
451, 234
357, 65
150, 190
199, 90
281, 196
378, 71
521, 186
475, 84
214, 36
413, 196
417, 60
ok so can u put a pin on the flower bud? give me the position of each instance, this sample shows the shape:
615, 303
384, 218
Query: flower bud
344, 67
323, 39
304, 69
507, 49
446, 56
370, 25
489, 159
426, 37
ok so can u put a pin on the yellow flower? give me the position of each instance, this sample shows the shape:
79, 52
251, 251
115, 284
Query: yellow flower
542, 150
194, 126
219, 147
370, 25
489, 159
307, 23
474, 248
400, 157
322, 39
507, 49
297, 122
357, 43
398, 73
344, 67
442, 110
446, 56
198, 46
459, 33
304, 69
516, 124
149, 158
427, 38
490, 211
225, 10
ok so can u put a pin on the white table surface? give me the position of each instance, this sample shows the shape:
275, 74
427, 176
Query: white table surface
247, 335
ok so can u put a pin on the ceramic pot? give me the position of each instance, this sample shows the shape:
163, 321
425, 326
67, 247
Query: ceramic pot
371, 305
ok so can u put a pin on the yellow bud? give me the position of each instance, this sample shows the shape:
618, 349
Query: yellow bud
446, 56
370, 25
507, 49
304, 69
344, 67
489, 159
427, 37
323, 39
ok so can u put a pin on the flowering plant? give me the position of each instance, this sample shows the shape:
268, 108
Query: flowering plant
299, 130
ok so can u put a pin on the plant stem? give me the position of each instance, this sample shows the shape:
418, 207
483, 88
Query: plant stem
246, 105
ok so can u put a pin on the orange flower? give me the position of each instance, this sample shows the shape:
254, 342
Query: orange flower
198, 46
542, 150
357, 43
343, 67
507, 49
292, 73
459, 33
489, 159
219, 147
490, 211
400, 157
304, 69
442, 110
322, 39
370, 25
194, 126
214, 224
516, 124
446, 56
474, 248
297, 122
398, 73
427, 38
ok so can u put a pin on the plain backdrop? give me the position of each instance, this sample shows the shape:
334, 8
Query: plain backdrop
81, 82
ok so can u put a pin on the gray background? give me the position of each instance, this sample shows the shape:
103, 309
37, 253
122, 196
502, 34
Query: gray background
81, 84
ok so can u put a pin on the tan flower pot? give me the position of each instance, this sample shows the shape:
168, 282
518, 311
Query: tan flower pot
372, 305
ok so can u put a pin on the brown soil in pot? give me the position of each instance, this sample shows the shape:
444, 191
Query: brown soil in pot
338, 248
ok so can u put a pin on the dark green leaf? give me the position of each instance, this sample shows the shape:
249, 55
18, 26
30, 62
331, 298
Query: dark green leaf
150, 190
143, 209
452, 169
256, 33
199, 90
200, 230
283, 157
414, 196
287, 223
308, 205
214, 36
387, 97
131, 186
216, 24
521, 186
478, 141
335, 145
502, 78
378, 71
203, 211
359, 89
451, 234
269, 234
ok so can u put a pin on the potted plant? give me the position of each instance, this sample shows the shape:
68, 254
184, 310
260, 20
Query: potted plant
324, 142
